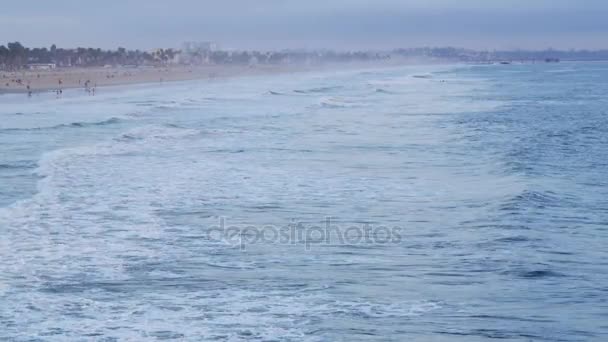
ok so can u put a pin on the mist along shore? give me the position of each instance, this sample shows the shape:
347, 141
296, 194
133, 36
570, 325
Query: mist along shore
24, 81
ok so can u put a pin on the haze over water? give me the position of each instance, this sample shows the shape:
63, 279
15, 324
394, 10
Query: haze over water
491, 180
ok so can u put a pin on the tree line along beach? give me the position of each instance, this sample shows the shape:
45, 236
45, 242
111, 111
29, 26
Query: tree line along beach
28, 70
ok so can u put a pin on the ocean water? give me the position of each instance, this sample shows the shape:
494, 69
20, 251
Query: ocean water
439, 203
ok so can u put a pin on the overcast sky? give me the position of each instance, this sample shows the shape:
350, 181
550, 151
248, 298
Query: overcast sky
344, 24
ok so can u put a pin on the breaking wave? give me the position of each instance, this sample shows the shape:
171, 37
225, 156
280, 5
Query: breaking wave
317, 90
18, 165
79, 124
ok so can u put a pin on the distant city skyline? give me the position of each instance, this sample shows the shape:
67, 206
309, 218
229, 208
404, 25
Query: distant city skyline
338, 24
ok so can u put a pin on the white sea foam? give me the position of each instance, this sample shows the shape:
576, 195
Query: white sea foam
113, 243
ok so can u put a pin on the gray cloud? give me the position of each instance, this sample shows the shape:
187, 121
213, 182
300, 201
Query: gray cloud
312, 23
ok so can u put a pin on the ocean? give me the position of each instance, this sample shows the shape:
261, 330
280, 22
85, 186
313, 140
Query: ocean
422, 203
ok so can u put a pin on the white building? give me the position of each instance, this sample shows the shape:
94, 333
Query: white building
194, 47
197, 52
41, 66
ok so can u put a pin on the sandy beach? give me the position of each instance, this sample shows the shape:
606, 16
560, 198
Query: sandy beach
70, 78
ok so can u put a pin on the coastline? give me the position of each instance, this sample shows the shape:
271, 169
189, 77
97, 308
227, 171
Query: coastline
74, 78
17, 82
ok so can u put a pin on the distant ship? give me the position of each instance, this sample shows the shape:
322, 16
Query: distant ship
551, 60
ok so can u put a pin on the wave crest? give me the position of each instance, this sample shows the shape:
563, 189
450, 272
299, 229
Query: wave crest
78, 124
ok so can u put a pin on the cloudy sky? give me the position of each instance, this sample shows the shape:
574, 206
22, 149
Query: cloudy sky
345, 24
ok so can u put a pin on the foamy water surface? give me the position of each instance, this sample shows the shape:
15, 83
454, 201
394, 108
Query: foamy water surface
492, 184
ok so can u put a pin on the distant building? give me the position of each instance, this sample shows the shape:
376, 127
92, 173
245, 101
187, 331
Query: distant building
41, 66
198, 47
197, 52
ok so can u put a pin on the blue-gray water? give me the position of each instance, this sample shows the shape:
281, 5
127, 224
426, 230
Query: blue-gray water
491, 182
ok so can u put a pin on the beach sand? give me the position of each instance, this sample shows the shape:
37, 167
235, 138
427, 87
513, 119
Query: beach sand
68, 78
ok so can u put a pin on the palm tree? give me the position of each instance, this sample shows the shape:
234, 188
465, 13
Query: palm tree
4, 52
17, 54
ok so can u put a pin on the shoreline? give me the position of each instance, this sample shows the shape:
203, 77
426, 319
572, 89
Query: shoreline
93, 78
100, 77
